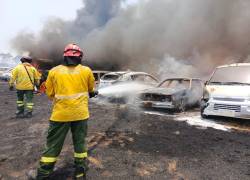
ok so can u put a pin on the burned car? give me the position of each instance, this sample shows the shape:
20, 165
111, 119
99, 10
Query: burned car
173, 94
123, 86
127, 76
98, 74
5, 75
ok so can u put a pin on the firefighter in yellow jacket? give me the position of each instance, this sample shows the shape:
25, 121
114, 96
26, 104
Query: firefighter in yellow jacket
69, 86
25, 77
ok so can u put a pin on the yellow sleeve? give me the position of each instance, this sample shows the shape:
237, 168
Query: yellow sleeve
49, 86
37, 77
13, 76
91, 81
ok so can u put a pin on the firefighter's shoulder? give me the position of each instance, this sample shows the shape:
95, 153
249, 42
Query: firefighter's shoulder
85, 68
56, 68
17, 67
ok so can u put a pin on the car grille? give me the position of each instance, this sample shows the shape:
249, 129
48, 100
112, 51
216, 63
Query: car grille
235, 108
230, 99
155, 97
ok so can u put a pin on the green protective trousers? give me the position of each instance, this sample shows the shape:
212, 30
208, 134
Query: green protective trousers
56, 135
21, 95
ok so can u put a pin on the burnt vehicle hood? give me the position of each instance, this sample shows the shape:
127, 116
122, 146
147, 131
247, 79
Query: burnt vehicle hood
164, 91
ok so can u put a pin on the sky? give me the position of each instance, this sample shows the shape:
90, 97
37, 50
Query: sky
30, 15
18, 15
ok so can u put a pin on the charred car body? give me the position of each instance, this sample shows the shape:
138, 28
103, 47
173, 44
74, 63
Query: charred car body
227, 93
126, 76
5, 75
98, 74
124, 86
173, 94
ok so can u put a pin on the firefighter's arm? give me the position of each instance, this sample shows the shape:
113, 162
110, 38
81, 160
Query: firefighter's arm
50, 87
13, 77
37, 78
91, 85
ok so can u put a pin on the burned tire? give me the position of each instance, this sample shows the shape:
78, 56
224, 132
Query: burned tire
203, 115
182, 106
202, 108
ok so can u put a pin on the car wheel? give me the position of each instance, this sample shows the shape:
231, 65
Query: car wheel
203, 115
182, 106
202, 106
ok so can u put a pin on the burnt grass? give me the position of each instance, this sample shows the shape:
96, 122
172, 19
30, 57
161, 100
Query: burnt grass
124, 143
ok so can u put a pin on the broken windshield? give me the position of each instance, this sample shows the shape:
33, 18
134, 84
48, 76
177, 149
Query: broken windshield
176, 83
232, 75
110, 77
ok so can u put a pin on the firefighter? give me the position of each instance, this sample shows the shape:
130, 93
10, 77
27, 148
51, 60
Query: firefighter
69, 85
25, 77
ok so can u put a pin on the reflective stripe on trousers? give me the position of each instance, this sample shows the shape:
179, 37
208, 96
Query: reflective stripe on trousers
29, 105
20, 103
48, 159
81, 155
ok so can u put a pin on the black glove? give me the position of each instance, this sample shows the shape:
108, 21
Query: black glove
11, 88
93, 94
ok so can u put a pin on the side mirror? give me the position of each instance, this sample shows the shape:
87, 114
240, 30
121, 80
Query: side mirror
206, 82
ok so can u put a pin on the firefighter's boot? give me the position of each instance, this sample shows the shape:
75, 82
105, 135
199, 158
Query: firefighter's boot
45, 171
20, 109
80, 173
81, 168
34, 175
28, 115
20, 114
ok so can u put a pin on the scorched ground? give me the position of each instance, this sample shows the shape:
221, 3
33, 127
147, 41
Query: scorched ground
124, 144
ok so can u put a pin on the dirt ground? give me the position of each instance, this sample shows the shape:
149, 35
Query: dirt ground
127, 144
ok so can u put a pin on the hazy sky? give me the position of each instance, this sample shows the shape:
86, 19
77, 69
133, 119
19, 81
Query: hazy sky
18, 15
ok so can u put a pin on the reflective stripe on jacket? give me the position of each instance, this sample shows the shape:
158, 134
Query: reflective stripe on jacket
69, 87
20, 77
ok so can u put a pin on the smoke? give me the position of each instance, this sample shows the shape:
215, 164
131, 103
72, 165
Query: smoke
183, 36
126, 92
49, 43
123, 89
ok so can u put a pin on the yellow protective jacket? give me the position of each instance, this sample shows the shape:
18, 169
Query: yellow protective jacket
19, 76
68, 87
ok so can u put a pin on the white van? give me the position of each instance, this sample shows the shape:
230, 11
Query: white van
227, 93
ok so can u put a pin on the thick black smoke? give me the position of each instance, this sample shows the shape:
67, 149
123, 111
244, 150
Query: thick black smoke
56, 33
182, 37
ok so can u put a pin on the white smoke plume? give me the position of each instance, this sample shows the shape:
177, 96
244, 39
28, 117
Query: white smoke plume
185, 35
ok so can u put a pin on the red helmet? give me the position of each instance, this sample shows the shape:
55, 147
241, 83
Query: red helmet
73, 50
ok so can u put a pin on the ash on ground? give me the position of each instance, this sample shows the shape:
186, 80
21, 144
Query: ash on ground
126, 143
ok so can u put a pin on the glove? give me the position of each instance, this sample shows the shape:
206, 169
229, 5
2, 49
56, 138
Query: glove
11, 88
93, 94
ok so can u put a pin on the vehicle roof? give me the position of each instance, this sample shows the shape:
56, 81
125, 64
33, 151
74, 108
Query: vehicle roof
116, 73
127, 72
234, 65
100, 71
5, 67
184, 78
135, 73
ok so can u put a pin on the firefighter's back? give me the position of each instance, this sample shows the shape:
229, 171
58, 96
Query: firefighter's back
69, 87
22, 78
